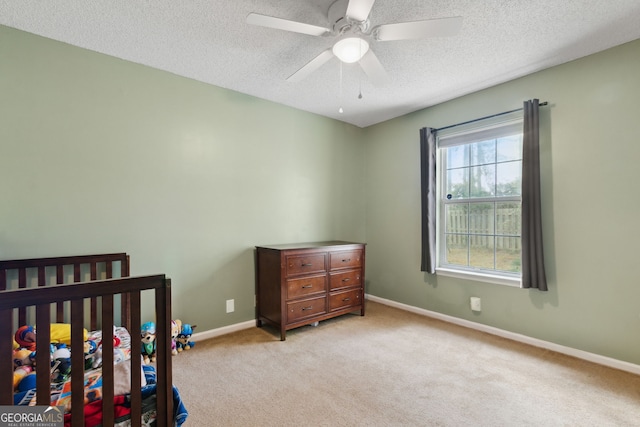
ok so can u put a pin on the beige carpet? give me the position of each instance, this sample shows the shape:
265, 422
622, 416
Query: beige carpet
394, 368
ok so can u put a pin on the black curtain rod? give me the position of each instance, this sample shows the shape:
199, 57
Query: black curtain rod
487, 117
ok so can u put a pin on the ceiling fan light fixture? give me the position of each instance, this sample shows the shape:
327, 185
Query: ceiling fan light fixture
350, 49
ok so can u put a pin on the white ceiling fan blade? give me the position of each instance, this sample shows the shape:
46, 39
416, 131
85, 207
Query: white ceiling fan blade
285, 24
418, 29
358, 10
373, 69
311, 66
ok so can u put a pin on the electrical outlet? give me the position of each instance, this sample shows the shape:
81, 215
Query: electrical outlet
230, 306
475, 304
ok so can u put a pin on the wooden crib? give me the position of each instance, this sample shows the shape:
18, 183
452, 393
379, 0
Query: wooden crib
84, 292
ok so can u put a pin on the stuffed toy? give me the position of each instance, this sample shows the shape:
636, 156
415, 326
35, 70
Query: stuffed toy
90, 348
23, 357
26, 337
28, 382
182, 342
61, 364
61, 333
19, 374
148, 337
175, 330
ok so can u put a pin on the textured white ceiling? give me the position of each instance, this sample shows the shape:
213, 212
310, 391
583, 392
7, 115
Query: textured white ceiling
209, 41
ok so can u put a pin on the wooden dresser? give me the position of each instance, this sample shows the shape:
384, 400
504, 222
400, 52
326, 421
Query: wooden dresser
300, 284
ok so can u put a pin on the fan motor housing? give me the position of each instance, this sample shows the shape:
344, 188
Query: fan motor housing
339, 22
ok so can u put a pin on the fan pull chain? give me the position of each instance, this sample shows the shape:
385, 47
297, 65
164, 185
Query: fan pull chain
340, 110
360, 76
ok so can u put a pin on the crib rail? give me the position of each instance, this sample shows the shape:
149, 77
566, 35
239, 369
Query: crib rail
44, 270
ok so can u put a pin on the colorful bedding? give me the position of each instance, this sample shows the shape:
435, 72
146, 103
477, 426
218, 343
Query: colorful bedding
61, 383
122, 408
61, 390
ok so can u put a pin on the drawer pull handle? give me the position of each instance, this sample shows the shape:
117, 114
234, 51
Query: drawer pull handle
346, 280
346, 299
306, 265
307, 308
307, 286
346, 260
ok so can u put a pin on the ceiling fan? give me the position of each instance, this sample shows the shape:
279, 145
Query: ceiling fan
349, 23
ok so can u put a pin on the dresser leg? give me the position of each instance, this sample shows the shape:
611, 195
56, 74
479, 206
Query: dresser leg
283, 334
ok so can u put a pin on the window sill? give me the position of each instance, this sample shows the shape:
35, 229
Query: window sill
515, 282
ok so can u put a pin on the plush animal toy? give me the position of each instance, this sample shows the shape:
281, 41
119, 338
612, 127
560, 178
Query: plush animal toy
28, 382
26, 337
61, 333
148, 335
182, 342
90, 348
175, 330
61, 364
23, 357
19, 374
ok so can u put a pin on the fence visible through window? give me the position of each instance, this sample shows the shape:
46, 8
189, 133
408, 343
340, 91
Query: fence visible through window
484, 235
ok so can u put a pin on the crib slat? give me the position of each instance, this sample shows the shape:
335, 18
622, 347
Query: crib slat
124, 301
136, 351
163, 351
43, 340
93, 270
77, 363
42, 281
22, 283
94, 301
107, 360
22, 278
109, 268
60, 305
6, 359
76, 272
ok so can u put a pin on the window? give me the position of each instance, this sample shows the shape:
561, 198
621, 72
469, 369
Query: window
479, 212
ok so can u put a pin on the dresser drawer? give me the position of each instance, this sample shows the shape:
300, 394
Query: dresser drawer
308, 308
345, 259
306, 286
306, 264
345, 299
345, 279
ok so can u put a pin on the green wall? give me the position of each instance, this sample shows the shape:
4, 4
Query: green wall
591, 210
102, 155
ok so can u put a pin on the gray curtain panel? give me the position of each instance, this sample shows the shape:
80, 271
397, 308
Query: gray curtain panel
533, 273
428, 183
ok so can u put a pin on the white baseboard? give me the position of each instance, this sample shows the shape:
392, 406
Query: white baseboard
212, 333
580, 354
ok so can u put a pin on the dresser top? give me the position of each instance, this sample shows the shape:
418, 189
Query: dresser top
308, 245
